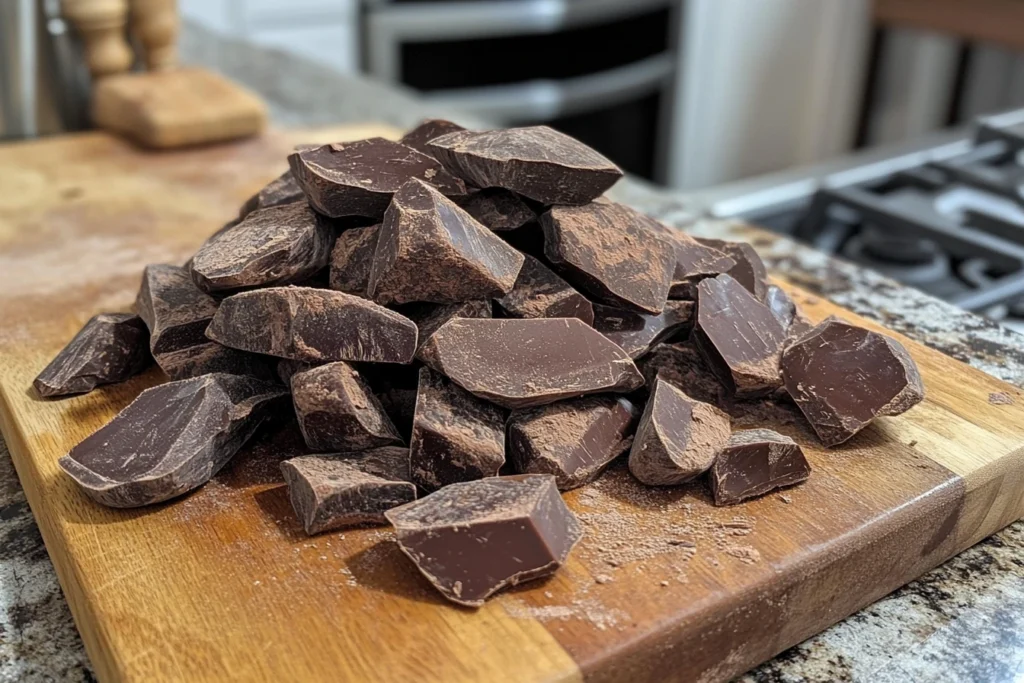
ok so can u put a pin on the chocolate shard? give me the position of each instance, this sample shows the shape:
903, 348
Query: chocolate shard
677, 439
359, 178
339, 490
738, 336
530, 362
786, 312
110, 347
455, 436
418, 137
754, 462
573, 440
337, 410
351, 260
611, 252
171, 439
472, 539
682, 366
498, 209
174, 309
430, 317
540, 293
431, 250
313, 325
536, 162
694, 262
749, 270
203, 359
274, 246
279, 191
842, 377
636, 332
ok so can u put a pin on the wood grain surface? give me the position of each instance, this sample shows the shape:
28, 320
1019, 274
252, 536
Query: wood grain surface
223, 584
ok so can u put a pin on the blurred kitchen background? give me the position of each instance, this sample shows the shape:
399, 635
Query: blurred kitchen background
852, 125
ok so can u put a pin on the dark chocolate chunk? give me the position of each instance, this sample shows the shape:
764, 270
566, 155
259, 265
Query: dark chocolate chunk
431, 250
574, 440
754, 462
540, 293
280, 190
337, 410
171, 439
749, 270
455, 435
610, 251
274, 246
202, 359
472, 539
313, 325
842, 377
430, 317
334, 491
739, 337
536, 162
498, 209
694, 262
110, 348
359, 178
418, 137
786, 312
175, 310
636, 332
352, 259
682, 366
522, 363
677, 439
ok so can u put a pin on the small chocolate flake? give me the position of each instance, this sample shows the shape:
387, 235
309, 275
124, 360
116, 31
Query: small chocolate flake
497, 209
351, 260
636, 332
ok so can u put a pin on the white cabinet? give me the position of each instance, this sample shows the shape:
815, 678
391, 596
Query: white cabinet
325, 31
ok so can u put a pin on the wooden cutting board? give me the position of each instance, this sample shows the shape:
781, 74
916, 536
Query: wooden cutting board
223, 585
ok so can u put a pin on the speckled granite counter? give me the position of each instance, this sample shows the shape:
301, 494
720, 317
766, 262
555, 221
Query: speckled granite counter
961, 622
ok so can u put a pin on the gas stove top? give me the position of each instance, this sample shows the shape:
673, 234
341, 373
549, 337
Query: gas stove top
945, 216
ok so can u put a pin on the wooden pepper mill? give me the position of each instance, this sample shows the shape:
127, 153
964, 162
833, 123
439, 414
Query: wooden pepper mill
167, 105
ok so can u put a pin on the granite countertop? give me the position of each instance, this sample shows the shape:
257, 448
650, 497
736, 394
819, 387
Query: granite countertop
963, 621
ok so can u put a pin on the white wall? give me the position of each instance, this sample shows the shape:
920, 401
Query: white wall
766, 84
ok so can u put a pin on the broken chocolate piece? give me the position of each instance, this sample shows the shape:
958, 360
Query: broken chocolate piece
610, 251
275, 246
431, 250
677, 439
472, 539
573, 440
498, 209
536, 162
430, 317
682, 366
739, 337
786, 312
749, 270
694, 262
281, 190
540, 293
359, 178
455, 436
171, 439
313, 325
636, 332
418, 137
175, 310
842, 377
521, 363
337, 411
334, 491
351, 260
754, 462
202, 359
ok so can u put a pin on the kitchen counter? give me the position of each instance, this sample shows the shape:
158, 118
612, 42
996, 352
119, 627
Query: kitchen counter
962, 621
